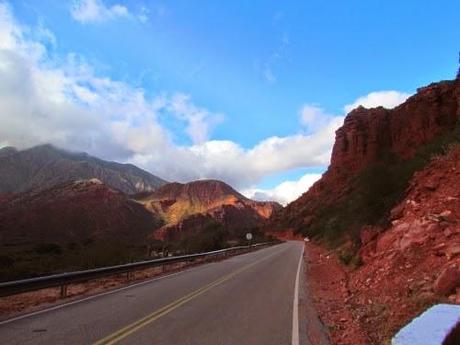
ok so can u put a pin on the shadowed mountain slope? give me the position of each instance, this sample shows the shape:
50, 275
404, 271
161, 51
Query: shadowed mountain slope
45, 166
76, 212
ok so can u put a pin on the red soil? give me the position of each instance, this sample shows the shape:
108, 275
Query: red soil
327, 286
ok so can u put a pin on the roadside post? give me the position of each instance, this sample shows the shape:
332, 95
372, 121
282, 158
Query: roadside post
249, 238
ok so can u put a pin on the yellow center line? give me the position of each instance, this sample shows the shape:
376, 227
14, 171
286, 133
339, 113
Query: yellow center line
135, 326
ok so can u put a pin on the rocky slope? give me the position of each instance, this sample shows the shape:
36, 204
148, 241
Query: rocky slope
406, 267
45, 166
186, 208
74, 212
416, 261
369, 144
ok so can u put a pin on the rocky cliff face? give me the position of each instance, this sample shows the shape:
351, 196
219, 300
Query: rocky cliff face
186, 208
74, 212
45, 166
415, 262
369, 136
369, 133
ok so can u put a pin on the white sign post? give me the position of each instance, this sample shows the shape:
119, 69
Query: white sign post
249, 236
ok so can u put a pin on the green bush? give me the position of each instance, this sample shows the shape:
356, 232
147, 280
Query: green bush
212, 237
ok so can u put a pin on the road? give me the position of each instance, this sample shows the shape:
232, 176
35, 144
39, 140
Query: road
246, 299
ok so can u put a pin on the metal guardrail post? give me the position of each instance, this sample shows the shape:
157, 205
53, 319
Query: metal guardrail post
63, 292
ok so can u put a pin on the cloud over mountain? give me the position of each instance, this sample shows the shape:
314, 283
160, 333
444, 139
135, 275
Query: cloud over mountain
386, 99
63, 100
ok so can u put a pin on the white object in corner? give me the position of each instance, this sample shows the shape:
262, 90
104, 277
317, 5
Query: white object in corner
430, 328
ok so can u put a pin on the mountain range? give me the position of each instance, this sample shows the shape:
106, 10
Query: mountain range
45, 166
49, 196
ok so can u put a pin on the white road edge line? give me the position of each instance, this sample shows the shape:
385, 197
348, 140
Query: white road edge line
295, 305
60, 306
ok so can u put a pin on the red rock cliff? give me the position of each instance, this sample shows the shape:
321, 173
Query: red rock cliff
367, 134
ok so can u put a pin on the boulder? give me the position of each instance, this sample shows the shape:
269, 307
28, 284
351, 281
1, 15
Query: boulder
448, 280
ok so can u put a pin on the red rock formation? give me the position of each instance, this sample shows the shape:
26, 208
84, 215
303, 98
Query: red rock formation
410, 265
416, 261
187, 208
367, 135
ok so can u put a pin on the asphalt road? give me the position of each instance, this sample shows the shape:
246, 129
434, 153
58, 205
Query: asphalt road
246, 299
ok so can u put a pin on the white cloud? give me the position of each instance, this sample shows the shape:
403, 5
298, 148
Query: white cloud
199, 120
386, 99
286, 191
143, 15
309, 114
90, 11
65, 102
238, 166
313, 117
268, 74
268, 66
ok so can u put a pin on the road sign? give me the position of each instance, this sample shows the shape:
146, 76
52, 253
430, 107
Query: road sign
249, 236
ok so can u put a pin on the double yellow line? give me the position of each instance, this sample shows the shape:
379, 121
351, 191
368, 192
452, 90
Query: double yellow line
135, 326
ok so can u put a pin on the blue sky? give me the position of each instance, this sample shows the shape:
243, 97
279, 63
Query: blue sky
229, 76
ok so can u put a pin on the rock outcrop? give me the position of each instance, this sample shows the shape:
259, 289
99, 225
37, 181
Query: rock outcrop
371, 135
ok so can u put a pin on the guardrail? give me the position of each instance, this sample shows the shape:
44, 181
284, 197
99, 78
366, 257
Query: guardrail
64, 279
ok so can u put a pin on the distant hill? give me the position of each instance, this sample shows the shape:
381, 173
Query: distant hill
185, 208
45, 166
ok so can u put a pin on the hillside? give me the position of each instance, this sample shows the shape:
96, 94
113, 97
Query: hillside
416, 260
71, 226
45, 166
73, 212
375, 153
402, 269
187, 208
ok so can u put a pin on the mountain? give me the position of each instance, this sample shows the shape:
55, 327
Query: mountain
186, 207
414, 261
74, 212
375, 154
7, 151
45, 166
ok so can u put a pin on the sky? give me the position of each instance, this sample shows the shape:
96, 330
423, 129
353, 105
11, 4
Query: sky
248, 92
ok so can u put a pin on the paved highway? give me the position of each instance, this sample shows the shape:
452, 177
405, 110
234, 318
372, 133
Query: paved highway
247, 299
